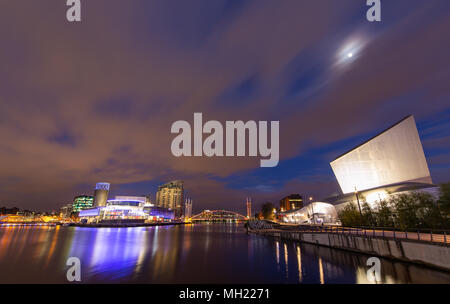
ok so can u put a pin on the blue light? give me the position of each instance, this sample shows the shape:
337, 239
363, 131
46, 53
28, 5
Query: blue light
102, 186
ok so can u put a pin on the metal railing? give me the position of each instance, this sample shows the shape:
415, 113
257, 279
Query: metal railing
424, 235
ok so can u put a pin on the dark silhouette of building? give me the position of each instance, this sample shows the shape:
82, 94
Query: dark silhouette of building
291, 202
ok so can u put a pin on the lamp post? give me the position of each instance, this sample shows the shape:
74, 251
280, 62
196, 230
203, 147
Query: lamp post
312, 207
359, 206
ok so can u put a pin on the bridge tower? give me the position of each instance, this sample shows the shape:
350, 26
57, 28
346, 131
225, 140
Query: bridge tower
249, 207
188, 209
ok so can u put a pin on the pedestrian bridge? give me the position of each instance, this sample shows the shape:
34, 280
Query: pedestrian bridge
218, 216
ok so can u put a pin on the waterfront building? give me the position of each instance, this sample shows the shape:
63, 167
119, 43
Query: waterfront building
141, 199
126, 209
313, 213
158, 214
66, 211
123, 209
291, 202
170, 196
82, 202
390, 163
149, 200
101, 194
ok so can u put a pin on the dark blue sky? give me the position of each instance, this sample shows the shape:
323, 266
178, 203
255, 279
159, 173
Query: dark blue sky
94, 101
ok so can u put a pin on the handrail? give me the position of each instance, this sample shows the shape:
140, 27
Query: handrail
422, 235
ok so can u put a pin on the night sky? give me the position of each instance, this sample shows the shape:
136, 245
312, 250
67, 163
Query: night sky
94, 101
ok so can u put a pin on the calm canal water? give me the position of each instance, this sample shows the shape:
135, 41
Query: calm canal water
200, 253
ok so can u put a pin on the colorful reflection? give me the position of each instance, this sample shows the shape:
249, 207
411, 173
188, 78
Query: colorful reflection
195, 253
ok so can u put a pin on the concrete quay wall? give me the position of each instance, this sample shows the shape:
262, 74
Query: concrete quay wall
435, 255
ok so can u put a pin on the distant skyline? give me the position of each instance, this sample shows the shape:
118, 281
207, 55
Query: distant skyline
94, 101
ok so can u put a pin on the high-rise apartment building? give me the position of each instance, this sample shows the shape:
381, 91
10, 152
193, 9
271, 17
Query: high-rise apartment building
170, 195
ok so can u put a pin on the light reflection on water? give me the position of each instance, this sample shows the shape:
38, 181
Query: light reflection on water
201, 253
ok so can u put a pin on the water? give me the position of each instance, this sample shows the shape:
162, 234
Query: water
201, 253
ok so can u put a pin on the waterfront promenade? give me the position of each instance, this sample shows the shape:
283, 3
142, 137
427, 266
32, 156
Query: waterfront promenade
427, 248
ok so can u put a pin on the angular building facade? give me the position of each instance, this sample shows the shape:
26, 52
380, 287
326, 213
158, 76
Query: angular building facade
170, 196
393, 156
389, 163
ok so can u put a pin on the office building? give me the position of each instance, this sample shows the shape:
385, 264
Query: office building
82, 202
291, 202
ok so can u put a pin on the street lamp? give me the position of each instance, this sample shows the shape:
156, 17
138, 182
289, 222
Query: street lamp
359, 206
312, 207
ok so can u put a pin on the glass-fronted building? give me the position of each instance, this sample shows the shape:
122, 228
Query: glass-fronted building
82, 202
126, 209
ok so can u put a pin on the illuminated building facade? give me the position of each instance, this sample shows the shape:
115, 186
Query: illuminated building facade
389, 163
170, 196
291, 202
313, 213
158, 214
66, 210
141, 199
82, 202
123, 209
393, 156
126, 209
101, 194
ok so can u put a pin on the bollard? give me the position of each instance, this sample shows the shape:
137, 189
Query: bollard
418, 235
445, 237
431, 232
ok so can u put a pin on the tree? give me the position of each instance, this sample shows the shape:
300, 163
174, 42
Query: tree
404, 211
406, 208
444, 199
349, 215
417, 210
383, 215
368, 217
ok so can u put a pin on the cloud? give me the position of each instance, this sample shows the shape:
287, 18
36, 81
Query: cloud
80, 103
